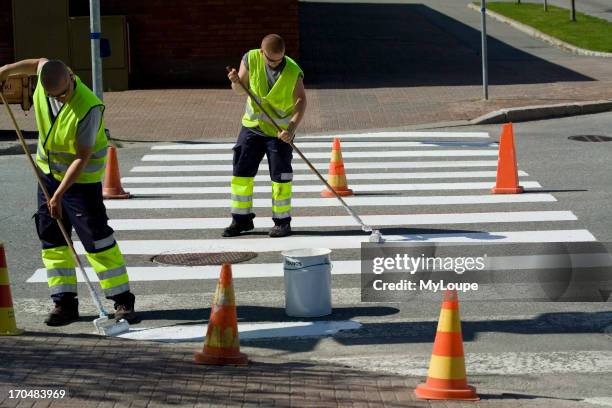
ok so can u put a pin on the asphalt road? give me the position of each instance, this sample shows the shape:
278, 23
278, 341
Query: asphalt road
547, 349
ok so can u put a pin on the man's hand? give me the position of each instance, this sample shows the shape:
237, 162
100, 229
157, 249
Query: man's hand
286, 136
55, 206
233, 76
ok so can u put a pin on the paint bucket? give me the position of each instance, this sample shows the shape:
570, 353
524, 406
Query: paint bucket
307, 282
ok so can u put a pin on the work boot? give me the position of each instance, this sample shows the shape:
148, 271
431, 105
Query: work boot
124, 307
281, 230
62, 314
126, 312
236, 228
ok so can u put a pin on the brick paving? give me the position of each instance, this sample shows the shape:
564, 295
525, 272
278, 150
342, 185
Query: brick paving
108, 372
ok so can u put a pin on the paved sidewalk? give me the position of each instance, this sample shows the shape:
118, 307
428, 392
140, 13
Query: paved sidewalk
107, 372
413, 63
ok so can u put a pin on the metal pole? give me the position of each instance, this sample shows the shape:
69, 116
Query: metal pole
96, 59
485, 68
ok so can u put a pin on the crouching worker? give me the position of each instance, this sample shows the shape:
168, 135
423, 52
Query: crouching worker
71, 158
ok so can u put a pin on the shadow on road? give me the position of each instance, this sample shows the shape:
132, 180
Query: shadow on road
397, 45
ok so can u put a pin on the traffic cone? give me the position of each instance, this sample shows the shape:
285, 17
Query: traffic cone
112, 179
446, 379
507, 172
222, 344
337, 176
8, 326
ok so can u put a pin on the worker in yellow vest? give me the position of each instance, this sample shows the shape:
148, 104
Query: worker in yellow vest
71, 157
277, 81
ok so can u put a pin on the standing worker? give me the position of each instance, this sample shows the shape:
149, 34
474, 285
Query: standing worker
277, 82
71, 156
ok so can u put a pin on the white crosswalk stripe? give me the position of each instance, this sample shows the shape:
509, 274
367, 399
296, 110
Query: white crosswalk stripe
312, 177
317, 188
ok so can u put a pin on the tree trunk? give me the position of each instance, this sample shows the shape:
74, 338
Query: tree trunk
545, 5
573, 12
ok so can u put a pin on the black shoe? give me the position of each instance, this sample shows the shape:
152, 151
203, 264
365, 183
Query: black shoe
237, 227
278, 231
62, 315
126, 312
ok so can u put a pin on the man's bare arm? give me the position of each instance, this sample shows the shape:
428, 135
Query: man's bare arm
27, 67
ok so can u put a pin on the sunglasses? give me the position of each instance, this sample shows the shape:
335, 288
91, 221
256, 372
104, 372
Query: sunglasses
65, 92
272, 60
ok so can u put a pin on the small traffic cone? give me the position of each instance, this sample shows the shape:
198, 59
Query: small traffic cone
222, 344
337, 175
507, 172
8, 326
112, 178
446, 379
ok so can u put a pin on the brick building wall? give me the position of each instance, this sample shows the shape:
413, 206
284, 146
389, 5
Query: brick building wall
6, 32
189, 43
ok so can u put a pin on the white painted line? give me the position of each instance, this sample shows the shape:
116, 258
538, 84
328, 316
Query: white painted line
323, 166
154, 247
498, 363
600, 401
357, 188
344, 145
312, 177
168, 272
246, 331
407, 135
322, 155
148, 224
331, 202
275, 270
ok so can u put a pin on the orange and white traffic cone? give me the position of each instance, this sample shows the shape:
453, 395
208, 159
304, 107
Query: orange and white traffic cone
446, 379
507, 172
337, 175
112, 179
222, 344
8, 326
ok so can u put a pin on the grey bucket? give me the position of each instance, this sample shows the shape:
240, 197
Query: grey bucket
307, 282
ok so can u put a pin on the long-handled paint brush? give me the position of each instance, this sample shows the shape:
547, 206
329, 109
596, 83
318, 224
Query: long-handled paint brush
375, 235
103, 324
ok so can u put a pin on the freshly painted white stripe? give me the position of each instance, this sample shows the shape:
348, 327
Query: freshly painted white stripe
275, 270
148, 224
246, 331
601, 401
323, 155
163, 273
331, 202
317, 188
407, 135
344, 145
498, 363
323, 166
312, 177
153, 247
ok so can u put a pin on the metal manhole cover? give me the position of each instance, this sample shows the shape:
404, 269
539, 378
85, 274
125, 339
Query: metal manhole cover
204, 258
591, 138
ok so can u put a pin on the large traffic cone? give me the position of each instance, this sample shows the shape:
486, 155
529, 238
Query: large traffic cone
507, 172
8, 327
446, 379
222, 344
337, 176
112, 178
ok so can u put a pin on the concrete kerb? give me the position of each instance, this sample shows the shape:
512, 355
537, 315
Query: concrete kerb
539, 112
540, 35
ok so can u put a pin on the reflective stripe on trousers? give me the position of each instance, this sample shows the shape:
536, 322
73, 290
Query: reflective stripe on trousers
242, 195
108, 264
281, 200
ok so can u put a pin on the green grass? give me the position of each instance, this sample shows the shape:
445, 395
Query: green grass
586, 32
